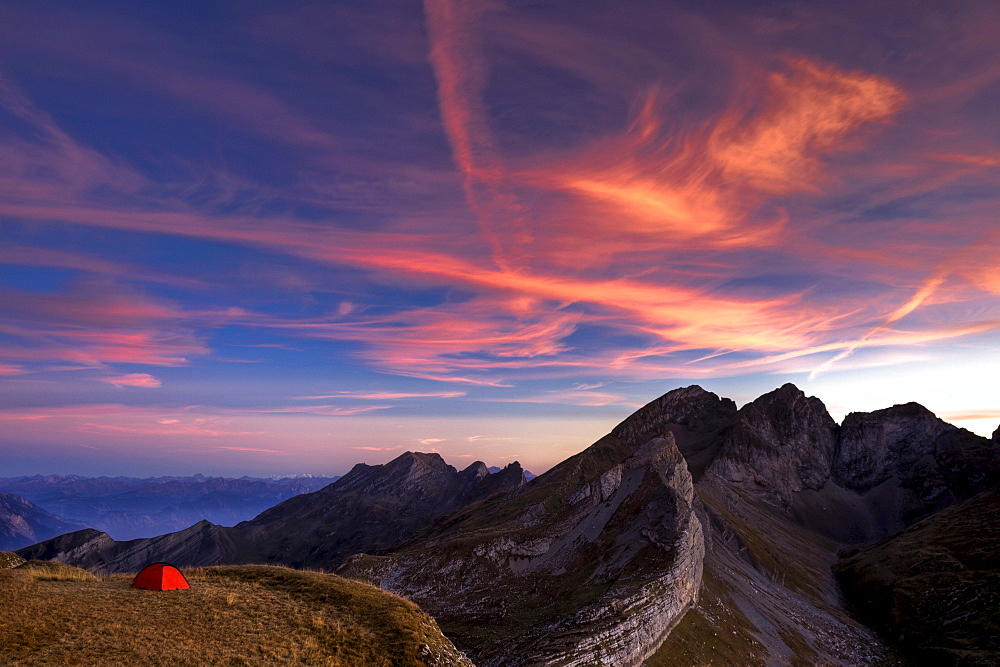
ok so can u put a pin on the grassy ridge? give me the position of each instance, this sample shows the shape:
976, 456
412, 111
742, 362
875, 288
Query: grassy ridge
244, 615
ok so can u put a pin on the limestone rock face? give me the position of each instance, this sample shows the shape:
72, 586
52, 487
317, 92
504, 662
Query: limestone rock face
781, 443
590, 563
875, 446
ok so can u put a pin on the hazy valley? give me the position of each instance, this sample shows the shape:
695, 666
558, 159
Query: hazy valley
128, 507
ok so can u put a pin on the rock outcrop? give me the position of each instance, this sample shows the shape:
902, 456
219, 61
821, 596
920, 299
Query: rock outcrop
591, 563
780, 444
875, 446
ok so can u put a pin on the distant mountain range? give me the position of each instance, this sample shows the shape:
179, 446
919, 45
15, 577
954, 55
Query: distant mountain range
694, 533
23, 523
129, 508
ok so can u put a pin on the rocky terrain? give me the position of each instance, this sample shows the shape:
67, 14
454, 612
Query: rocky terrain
696, 532
128, 508
23, 523
936, 585
367, 510
592, 563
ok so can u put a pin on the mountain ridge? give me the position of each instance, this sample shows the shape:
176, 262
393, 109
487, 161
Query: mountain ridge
692, 519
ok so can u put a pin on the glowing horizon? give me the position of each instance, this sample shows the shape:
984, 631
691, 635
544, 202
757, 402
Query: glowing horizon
290, 241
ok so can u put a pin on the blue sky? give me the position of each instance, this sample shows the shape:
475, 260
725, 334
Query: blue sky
243, 239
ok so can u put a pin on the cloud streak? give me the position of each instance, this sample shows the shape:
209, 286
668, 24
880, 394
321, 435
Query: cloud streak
497, 205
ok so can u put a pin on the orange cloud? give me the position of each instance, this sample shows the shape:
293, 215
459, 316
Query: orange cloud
808, 112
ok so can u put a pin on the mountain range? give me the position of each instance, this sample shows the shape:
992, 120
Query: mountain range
23, 523
695, 532
128, 507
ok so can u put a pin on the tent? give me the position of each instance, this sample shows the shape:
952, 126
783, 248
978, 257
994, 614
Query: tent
160, 577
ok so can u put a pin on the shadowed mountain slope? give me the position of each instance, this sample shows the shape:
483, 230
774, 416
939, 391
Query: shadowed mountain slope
936, 585
367, 510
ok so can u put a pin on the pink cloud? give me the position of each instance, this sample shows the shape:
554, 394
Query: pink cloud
144, 380
384, 395
252, 449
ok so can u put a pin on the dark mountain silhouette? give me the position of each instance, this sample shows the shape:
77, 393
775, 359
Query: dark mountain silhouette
695, 532
369, 509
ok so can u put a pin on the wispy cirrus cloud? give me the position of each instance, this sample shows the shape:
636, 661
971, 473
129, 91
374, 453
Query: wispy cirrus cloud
801, 211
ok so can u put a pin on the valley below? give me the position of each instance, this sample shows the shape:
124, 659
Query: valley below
694, 533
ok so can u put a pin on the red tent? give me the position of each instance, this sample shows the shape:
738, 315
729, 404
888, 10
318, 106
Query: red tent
160, 577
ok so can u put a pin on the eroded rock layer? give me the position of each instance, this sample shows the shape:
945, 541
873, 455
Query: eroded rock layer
591, 563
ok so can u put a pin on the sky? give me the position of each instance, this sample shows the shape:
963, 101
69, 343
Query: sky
275, 238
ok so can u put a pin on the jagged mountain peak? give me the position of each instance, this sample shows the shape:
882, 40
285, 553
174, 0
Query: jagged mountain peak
477, 470
690, 407
996, 435
875, 446
780, 443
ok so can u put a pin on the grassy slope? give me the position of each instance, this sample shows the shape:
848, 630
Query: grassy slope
55, 614
936, 586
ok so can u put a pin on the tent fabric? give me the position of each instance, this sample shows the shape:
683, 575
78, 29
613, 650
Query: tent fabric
160, 577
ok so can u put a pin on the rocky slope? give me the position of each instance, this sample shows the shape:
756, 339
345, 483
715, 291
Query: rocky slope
591, 563
23, 523
936, 585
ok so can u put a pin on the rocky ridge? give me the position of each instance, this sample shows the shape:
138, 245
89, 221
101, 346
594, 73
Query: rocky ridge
591, 563
368, 510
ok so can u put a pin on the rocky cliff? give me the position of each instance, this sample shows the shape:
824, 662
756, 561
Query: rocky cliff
779, 444
591, 563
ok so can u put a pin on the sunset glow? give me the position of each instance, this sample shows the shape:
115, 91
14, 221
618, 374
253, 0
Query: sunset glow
288, 240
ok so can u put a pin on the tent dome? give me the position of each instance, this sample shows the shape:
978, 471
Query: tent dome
160, 577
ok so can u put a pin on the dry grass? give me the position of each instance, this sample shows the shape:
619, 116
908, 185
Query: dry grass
247, 615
